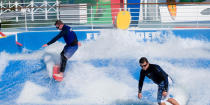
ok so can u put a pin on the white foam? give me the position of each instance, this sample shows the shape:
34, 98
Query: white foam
105, 85
49, 64
50, 54
195, 82
191, 85
114, 44
118, 44
99, 85
3, 63
32, 93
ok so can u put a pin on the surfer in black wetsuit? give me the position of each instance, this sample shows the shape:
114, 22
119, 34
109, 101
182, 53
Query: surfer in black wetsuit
159, 77
70, 47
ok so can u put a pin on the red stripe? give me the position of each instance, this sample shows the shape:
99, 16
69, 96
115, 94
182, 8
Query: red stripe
194, 27
2, 34
19, 44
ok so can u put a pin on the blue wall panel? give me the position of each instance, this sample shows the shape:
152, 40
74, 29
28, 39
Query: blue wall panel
134, 9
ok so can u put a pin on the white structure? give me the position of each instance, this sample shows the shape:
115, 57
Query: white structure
186, 13
73, 13
32, 9
40, 16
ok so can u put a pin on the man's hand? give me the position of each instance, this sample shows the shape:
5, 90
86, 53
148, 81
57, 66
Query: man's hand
164, 93
139, 95
45, 45
79, 44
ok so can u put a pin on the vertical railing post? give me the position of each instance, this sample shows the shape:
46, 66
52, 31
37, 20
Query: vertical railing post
9, 6
26, 27
1, 6
141, 19
45, 2
32, 10
91, 17
145, 8
197, 12
156, 11
57, 9
125, 5
16, 6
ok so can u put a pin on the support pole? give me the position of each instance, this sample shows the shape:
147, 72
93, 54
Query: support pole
57, 9
46, 17
32, 10
16, 6
16, 40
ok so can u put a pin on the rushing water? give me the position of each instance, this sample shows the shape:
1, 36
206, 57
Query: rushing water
106, 71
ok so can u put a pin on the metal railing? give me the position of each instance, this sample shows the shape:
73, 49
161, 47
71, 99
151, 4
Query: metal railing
40, 16
23, 16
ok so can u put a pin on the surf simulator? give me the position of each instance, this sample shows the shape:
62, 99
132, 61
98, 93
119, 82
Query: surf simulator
126, 52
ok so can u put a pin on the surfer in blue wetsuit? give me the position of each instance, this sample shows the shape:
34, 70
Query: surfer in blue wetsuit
70, 47
159, 77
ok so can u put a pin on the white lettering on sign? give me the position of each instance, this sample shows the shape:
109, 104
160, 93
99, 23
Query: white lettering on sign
140, 35
92, 36
148, 35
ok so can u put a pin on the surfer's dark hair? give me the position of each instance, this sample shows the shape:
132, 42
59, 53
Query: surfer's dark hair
143, 59
58, 22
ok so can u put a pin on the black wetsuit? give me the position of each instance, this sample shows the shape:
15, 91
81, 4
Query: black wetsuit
70, 39
156, 74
